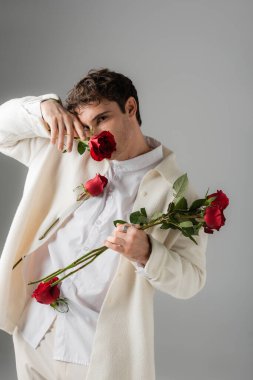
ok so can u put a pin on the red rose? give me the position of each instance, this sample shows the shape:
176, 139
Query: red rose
95, 186
46, 294
102, 145
214, 218
221, 200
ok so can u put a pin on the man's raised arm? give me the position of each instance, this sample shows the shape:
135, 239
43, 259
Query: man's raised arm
26, 124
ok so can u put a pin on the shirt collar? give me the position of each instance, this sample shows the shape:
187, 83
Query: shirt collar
142, 161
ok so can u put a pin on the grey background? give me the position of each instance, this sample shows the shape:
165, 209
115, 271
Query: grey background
191, 62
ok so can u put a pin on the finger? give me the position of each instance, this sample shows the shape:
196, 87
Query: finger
75, 134
61, 128
114, 247
123, 235
54, 129
79, 129
132, 229
120, 226
70, 134
116, 240
138, 226
120, 229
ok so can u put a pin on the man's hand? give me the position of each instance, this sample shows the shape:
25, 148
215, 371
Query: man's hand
134, 244
61, 122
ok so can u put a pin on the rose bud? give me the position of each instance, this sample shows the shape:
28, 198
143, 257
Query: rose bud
96, 185
46, 294
102, 145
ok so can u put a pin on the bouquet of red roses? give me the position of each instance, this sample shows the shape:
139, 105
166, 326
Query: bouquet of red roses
206, 213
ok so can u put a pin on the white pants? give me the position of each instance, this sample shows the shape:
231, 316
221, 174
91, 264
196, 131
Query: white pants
38, 364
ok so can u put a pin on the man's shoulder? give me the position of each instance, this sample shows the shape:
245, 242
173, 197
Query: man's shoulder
171, 171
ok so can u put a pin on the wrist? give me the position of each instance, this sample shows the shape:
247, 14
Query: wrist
143, 261
51, 100
49, 96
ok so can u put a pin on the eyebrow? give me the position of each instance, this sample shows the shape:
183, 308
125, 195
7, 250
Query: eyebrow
97, 116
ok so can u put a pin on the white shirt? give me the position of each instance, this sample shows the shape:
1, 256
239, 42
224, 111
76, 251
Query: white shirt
86, 228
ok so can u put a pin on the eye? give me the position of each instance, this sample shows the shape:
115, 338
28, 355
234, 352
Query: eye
101, 118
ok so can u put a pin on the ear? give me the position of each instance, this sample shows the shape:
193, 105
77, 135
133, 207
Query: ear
131, 106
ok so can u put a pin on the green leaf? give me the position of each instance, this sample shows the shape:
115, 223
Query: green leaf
171, 206
143, 211
166, 226
193, 240
174, 218
196, 229
81, 147
137, 218
180, 185
197, 204
118, 221
186, 223
188, 232
181, 204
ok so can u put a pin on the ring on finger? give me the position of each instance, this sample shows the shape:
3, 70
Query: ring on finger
125, 228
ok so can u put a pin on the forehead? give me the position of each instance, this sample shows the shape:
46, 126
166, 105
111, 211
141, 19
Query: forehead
95, 107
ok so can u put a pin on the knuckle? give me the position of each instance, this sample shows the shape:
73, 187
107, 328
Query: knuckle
54, 136
54, 132
134, 231
68, 118
60, 143
53, 119
70, 131
53, 127
131, 239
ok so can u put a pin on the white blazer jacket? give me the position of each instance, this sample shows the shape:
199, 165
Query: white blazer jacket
123, 346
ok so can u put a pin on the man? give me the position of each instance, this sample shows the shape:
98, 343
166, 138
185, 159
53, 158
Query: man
107, 333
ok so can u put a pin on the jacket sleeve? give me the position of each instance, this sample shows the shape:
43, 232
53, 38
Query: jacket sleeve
180, 270
23, 132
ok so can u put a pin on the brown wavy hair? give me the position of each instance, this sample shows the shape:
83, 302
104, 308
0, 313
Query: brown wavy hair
102, 84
